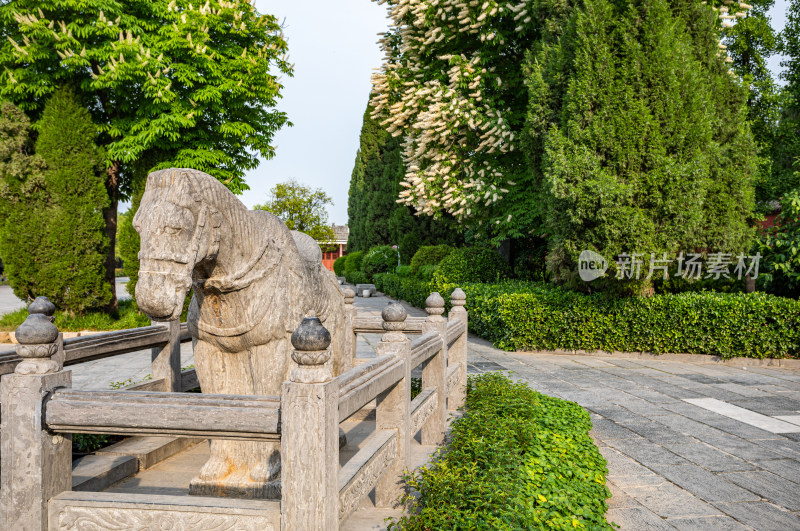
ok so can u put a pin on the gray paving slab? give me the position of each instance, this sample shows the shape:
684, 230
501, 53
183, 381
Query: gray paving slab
769, 486
708, 523
762, 516
704, 484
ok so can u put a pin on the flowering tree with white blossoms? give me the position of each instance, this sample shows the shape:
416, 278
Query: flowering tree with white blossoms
452, 86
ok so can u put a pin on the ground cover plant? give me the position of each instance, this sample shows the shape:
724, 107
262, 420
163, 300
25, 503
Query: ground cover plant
517, 459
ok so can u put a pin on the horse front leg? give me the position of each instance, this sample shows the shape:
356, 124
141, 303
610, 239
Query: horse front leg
242, 469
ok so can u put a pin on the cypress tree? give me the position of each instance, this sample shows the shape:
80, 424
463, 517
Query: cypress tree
23, 198
375, 217
638, 135
73, 270
786, 153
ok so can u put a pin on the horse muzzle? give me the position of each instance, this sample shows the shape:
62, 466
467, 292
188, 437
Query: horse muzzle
160, 295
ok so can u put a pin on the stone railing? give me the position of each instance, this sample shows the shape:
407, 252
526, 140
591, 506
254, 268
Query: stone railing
40, 411
163, 338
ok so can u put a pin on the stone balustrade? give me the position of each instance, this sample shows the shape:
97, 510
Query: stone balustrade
40, 411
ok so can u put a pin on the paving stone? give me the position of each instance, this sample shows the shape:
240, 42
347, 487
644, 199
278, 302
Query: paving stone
704, 484
709, 457
668, 500
774, 488
658, 433
748, 450
647, 452
690, 427
785, 468
761, 516
637, 519
619, 499
770, 406
606, 429
708, 523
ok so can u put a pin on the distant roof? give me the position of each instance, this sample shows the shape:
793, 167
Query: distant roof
342, 232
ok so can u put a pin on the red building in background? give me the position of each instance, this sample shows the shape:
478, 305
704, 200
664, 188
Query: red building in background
340, 246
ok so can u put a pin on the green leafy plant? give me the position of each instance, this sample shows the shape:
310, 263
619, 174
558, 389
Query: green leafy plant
430, 255
127, 316
517, 459
779, 246
380, 259
353, 262
339, 266
471, 264
404, 271
357, 277
302, 209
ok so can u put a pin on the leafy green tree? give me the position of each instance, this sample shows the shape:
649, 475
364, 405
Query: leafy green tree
638, 136
374, 216
780, 247
72, 271
749, 43
301, 208
167, 83
22, 200
787, 142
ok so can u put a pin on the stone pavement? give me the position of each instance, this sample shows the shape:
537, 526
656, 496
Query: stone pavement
690, 446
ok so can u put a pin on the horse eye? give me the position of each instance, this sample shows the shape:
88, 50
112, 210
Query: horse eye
172, 230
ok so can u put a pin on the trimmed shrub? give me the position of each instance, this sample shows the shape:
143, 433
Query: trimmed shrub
353, 262
471, 264
381, 259
338, 266
357, 277
430, 255
426, 272
404, 271
517, 459
517, 315
409, 289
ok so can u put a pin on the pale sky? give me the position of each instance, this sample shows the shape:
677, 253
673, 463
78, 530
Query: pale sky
332, 44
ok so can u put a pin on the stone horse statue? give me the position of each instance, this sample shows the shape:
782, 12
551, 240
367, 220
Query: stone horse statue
254, 280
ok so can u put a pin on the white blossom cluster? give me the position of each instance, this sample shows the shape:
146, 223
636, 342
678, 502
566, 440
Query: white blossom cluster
454, 133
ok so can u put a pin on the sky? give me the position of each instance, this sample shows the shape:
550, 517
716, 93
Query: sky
333, 45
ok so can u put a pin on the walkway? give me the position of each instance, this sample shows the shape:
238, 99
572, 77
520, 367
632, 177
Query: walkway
690, 446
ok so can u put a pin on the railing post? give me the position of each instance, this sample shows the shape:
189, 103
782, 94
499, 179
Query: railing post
434, 371
166, 360
458, 351
310, 434
392, 411
350, 335
34, 465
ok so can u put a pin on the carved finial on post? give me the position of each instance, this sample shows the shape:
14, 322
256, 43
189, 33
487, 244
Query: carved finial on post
43, 306
311, 342
348, 294
434, 305
37, 338
458, 299
394, 322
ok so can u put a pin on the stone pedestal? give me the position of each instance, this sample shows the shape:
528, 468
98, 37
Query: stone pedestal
434, 371
458, 350
310, 435
392, 411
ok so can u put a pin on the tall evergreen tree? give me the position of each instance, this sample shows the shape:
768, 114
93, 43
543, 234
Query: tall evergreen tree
22, 200
787, 143
73, 269
375, 217
638, 135
749, 43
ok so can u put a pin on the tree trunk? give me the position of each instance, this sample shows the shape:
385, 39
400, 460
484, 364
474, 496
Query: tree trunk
110, 216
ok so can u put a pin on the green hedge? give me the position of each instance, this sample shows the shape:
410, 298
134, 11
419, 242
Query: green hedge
518, 315
353, 261
409, 289
472, 264
380, 259
339, 265
517, 459
430, 255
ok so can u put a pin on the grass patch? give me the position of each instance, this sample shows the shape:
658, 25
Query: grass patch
128, 316
517, 459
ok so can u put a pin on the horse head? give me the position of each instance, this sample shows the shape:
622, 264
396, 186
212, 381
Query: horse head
178, 230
